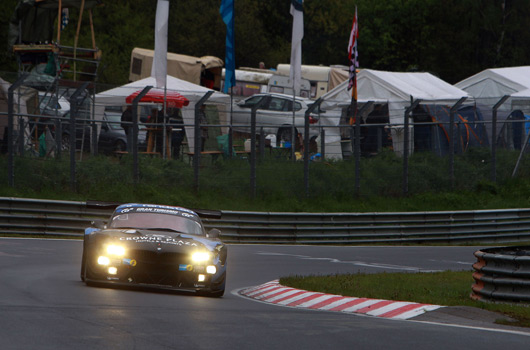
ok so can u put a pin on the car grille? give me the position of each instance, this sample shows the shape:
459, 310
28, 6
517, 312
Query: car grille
151, 257
159, 268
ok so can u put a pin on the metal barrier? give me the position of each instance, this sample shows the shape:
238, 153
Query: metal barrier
502, 274
19, 216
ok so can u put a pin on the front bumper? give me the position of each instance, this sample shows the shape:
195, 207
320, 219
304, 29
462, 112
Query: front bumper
160, 271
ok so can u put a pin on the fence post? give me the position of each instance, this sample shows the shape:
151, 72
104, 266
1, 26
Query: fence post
74, 102
494, 138
413, 104
20, 136
133, 146
253, 146
10, 125
323, 144
197, 138
452, 112
261, 143
94, 139
365, 109
309, 110
230, 128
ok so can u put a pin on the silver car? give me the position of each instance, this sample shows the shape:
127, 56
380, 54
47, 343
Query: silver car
275, 115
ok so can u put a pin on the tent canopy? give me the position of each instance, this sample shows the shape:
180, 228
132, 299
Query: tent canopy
396, 89
373, 85
192, 92
497, 82
490, 85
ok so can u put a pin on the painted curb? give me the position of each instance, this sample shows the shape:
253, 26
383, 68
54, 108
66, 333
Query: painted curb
273, 292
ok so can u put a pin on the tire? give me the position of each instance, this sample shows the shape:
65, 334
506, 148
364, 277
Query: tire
120, 146
83, 268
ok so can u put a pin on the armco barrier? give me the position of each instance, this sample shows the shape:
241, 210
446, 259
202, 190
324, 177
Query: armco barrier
20, 216
502, 274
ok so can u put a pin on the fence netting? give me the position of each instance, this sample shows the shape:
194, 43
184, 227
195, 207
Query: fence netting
265, 141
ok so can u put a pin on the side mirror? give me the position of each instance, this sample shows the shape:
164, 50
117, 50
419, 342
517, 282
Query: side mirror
214, 233
99, 224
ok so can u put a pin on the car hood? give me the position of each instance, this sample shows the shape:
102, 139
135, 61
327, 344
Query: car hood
155, 240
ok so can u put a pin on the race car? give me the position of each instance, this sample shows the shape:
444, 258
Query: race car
155, 246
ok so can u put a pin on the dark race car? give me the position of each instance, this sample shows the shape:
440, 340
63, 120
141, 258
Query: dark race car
158, 246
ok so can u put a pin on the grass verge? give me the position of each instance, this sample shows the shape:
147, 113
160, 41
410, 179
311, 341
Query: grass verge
448, 288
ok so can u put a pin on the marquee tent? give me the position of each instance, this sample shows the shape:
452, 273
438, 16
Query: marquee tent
395, 89
25, 102
192, 92
490, 85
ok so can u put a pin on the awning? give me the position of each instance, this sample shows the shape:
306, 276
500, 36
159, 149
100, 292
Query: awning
173, 99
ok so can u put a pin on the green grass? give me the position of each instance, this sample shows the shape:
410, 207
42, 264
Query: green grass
448, 288
225, 184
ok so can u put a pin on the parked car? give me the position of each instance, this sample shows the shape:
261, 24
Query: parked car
112, 137
51, 104
275, 115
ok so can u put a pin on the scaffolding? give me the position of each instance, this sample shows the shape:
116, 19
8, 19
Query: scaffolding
57, 70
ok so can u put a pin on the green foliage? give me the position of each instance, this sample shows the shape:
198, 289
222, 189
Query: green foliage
452, 39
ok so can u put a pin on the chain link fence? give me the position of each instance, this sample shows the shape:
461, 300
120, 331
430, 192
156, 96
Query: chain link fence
382, 148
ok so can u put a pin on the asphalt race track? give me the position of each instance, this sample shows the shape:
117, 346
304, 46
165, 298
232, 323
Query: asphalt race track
44, 305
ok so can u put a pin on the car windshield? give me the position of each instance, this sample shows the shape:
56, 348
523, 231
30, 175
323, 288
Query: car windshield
158, 221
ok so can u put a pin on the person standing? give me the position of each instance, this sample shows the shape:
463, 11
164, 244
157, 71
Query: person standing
126, 119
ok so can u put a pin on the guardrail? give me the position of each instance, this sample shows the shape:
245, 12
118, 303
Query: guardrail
19, 216
502, 274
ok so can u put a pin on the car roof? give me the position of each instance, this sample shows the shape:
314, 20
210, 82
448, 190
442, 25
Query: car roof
298, 98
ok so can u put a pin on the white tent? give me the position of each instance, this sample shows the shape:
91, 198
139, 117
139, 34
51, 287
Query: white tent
490, 85
395, 88
193, 92
26, 102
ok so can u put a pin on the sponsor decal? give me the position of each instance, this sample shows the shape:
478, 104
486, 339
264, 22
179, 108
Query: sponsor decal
185, 267
159, 239
130, 262
152, 208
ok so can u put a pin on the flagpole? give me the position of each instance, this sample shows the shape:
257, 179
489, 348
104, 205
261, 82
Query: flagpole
292, 127
164, 136
297, 11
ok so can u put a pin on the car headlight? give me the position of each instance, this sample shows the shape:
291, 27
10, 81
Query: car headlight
103, 260
115, 250
199, 257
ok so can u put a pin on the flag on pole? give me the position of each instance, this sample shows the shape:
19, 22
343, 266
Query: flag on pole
227, 13
353, 57
159, 68
297, 11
